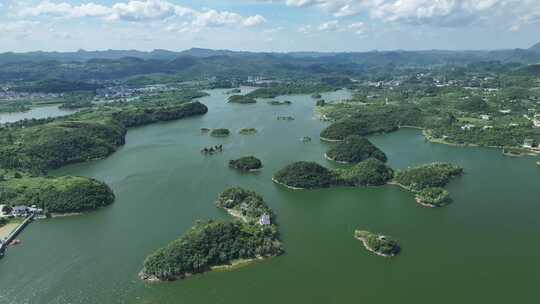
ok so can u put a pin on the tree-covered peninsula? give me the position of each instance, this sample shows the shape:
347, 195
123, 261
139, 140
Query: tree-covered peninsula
306, 175
41, 145
246, 163
379, 244
66, 194
370, 172
253, 235
354, 149
310, 175
426, 176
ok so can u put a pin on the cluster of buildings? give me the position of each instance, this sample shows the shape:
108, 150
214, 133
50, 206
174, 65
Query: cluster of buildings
19, 211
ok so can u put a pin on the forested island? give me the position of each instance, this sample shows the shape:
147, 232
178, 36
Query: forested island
279, 103
221, 132
311, 175
247, 131
213, 244
425, 181
241, 99
379, 244
354, 149
246, 163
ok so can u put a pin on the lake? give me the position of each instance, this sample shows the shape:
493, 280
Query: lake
481, 248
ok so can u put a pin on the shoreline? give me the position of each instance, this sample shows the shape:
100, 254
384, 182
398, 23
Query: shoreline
285, 185
330, 140
364, 242
337, 161
234, 264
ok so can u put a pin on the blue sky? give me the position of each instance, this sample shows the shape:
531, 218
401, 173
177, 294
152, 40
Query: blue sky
268, 25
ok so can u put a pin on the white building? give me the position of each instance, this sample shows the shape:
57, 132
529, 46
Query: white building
264, 220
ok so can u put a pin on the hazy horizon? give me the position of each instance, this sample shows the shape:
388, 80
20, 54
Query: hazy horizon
268, 25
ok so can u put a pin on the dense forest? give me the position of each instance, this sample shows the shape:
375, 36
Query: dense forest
426, 176
56, 194
354, 149
216, 243
246, 163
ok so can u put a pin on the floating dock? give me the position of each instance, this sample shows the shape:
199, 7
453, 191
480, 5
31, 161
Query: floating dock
13, 234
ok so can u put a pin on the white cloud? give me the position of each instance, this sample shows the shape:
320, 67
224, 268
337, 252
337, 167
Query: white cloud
444, 13
329, 26
140, 11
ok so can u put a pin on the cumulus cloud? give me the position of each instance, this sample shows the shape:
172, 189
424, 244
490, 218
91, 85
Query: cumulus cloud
140, 11
329, 26
445, 13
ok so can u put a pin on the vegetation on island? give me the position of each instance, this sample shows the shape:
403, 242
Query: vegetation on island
311, 175
365, 120
215, 243
241, 99
246, 163
306, 175
378, 244
244, 204
427, 176
433, 197
209, 244
248, 131
370, 172
220, 132
279, 103
354, 149
63, 194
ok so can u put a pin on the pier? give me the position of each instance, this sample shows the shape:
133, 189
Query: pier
4, 243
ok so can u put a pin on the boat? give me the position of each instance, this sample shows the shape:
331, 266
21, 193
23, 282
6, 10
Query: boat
538, 163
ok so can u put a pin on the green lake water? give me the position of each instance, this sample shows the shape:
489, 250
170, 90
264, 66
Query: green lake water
481, 249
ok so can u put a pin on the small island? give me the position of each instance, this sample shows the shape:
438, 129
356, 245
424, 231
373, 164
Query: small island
220, 132
246, 163
205, 130
379, 244
247, 131
433, 197
279, 103
305, 175
220, 244
241, 99
354, 149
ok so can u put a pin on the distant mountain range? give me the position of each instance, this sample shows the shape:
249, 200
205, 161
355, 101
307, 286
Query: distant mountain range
518, 55
200, 63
